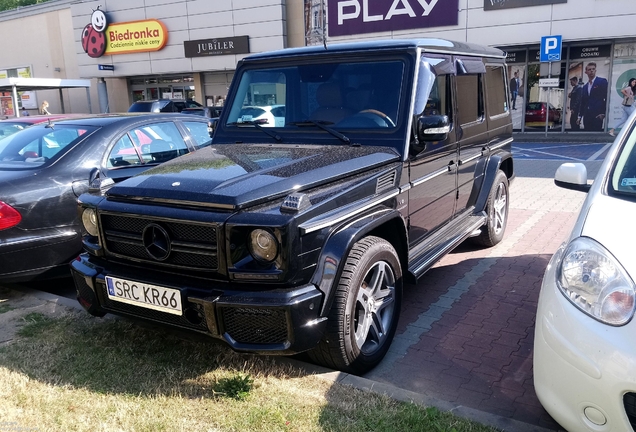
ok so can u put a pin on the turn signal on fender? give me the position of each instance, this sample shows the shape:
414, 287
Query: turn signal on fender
9, 217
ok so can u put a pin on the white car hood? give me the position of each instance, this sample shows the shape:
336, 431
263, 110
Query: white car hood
610, 222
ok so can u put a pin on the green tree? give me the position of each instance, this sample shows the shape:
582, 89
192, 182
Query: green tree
14, 4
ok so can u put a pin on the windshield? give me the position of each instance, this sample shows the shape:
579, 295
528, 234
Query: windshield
37, 145
623, 175
355, 95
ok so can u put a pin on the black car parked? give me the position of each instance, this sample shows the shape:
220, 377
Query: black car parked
163, 105
209, 112
299, 236
44, 168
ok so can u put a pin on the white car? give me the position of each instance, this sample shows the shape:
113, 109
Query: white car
585, 334
271, 115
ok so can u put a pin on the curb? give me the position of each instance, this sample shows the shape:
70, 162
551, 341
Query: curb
503, 424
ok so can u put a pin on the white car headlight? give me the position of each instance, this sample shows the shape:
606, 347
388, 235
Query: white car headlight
595, 282
89, 220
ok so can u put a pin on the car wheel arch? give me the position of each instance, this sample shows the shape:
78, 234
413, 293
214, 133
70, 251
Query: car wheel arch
390, 226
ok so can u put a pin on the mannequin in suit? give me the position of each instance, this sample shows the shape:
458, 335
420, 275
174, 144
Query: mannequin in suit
593, 100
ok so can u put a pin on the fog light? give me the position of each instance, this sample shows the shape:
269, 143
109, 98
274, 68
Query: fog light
595, 416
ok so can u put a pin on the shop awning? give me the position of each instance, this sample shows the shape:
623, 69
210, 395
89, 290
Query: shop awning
16, 85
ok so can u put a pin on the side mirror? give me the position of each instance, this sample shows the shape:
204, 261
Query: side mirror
96, 184
433, 128
572, 176
212, 124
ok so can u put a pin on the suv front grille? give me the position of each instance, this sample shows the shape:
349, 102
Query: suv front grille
192, 245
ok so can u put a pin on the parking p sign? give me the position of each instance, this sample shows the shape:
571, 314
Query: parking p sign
550, 48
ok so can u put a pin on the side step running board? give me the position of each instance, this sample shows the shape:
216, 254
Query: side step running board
424, 256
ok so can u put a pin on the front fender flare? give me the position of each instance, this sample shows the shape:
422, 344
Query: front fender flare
337, 247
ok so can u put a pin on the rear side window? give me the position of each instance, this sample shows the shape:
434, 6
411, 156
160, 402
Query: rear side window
200, 132
154, 143
124, 153
497, 101
470, 105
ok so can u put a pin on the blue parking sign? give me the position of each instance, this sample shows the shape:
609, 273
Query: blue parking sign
550, 48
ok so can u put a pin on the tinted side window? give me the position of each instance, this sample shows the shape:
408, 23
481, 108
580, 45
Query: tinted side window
199, 132
496, 91
124, 153
159, 142
470, 105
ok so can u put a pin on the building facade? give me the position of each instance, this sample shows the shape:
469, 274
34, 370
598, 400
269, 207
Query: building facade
150, 49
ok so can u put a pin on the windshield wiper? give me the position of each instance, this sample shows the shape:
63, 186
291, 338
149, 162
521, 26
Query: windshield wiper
321, 124
257, 125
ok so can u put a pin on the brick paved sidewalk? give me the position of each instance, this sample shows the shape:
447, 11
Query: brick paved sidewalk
467, 328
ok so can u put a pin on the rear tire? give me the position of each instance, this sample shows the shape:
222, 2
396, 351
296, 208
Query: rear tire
365, 311
497, 210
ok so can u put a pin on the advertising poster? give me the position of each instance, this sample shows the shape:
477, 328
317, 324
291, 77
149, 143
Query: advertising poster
28, 99
516, 84
585, 103
6, 106
623, 70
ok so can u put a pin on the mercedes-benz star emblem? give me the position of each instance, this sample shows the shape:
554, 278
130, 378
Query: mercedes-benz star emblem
156, 241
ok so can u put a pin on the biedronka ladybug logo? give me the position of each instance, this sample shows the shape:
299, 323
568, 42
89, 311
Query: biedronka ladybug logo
93, 35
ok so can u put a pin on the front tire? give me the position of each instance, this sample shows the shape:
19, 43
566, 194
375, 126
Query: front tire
365, 310
497, 210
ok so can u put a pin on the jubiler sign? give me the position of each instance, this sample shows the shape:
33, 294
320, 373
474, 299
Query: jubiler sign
135, 36
349, 17
219, 46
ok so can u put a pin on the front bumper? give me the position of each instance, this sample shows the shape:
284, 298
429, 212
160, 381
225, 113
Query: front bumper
280, 321
584, 370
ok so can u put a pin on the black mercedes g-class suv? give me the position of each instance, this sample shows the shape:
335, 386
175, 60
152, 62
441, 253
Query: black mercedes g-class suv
298, 233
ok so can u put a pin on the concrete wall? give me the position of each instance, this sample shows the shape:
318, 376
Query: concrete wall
576, 20
262, 20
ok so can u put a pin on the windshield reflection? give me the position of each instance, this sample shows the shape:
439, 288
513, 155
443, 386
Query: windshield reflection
352, 95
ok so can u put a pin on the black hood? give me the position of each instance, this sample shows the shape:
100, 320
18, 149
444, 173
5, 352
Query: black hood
240, 175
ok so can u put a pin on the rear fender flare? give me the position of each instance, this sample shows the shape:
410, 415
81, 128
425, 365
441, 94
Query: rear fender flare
501, 160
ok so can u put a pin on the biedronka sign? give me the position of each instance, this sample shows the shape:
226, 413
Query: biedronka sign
99, 38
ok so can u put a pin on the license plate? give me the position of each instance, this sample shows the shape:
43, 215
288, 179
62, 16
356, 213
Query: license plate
144, 295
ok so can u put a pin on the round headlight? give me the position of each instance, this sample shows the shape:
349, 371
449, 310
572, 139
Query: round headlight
263, 245
89, 219
595, 282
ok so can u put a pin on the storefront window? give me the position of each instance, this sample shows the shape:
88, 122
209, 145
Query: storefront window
544, 105
623, 74
171, 87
